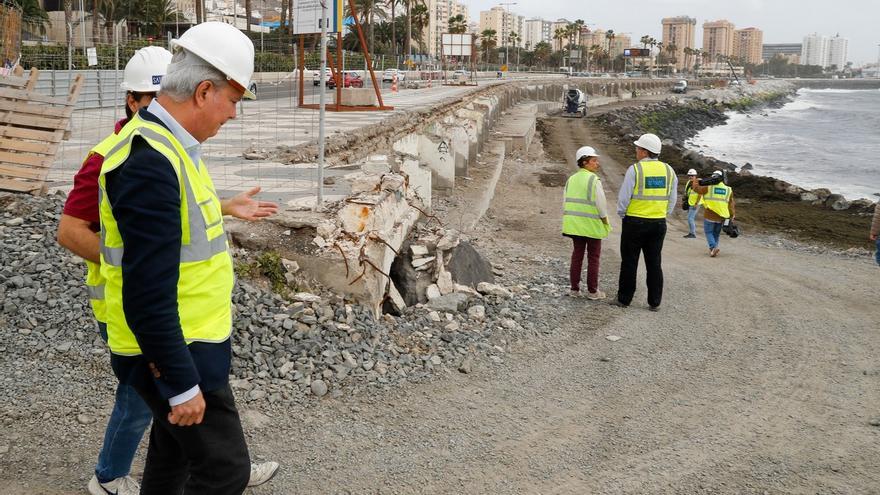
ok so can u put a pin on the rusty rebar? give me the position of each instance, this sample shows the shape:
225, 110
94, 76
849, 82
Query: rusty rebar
344, 259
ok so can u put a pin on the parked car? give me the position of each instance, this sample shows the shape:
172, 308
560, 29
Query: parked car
350, 80
680, 87
388, 75
316, 76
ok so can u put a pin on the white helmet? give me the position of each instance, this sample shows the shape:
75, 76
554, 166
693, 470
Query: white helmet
692, 172
584, 151
649, 142
224, 47
717, 173
144, 71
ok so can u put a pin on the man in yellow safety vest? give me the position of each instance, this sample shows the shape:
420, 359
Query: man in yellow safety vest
720, 209
646, 197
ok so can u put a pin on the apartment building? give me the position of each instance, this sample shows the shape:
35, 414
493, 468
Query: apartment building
681, 32
748, 45
535, 31
439, 13
788, 51
718, 39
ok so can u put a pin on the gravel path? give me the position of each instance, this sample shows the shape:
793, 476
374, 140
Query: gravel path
758, 375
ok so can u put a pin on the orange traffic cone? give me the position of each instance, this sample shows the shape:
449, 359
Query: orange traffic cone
394, 84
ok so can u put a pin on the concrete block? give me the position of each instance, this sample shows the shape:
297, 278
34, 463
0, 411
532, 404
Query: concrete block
358, 97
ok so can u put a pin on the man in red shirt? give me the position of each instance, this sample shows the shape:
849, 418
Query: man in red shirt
78, 232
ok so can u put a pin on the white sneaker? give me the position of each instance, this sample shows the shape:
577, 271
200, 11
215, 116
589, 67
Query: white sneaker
120, 486
261, 473
595, 296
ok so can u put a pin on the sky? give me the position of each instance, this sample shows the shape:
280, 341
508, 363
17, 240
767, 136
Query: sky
783, 21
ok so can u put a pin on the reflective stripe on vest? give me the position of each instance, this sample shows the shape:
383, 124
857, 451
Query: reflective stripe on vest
94, 279
205, 278
717, 199
580, 214
650, 195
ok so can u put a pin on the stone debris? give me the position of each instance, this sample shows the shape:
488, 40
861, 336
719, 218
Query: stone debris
612, 338
285, 351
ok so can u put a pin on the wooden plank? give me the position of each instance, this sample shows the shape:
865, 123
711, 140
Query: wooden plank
18, 94
27, 146
20, 186
25, 159
12, 81
33, 134
32, 79
23, 172
23, 107
41, 123
79, 82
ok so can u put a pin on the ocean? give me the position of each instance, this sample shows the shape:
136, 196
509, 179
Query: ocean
823, 138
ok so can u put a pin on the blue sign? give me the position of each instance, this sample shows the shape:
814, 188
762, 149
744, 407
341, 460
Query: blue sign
655, 182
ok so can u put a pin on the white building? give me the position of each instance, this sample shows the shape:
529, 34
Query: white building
837, 52
439, 12
536, 31
815, 50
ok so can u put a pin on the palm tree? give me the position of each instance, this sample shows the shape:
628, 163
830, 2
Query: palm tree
596, 53
487, 39
609, 35
512, 39
457, 24
542, 53
560, 34
393, 5
421, 16
247, 15
688, 51
367, 10
672, 50
410, 7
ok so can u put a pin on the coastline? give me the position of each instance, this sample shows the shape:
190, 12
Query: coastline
764, 203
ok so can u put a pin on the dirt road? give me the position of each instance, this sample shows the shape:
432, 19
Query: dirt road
758, 375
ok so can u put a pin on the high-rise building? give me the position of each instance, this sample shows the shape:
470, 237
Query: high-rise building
815, 50
788, 51
439, 13
619, 43
535, 31
558, 43
718, 39
837, 52
502, 22
748, 44
680, 32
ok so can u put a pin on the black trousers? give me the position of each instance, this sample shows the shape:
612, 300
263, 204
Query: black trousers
641, 235
210, 458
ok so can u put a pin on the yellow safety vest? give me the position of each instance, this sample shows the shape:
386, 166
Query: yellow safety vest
717, 199
650, 196
204, 287
693, 196
581, 213
94, 279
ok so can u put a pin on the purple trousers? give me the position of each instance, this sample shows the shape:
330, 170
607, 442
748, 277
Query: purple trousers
593, 248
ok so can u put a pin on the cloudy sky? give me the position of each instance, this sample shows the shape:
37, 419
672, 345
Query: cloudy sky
783, 21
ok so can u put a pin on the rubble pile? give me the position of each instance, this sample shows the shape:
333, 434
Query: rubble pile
284, 350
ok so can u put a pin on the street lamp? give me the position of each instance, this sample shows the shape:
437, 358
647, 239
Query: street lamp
507, 32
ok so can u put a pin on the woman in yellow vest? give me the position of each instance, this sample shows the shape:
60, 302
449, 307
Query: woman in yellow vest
694, 200
585, 221
720, 208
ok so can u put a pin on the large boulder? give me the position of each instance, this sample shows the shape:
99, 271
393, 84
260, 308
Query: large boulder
467, 266
450, 303
837, 202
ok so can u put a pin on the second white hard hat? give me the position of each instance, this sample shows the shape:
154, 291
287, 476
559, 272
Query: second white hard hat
144, 71
224, 47
649, 142
692, 172
584, 151
717, 173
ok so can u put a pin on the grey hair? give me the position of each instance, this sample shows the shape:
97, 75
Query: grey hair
185, 72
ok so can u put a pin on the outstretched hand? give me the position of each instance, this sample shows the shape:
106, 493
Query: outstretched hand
245, 207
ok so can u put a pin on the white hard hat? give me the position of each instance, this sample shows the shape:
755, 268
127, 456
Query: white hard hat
144, 71
584, 151
224, 47
717, 173
692, 172
649, 142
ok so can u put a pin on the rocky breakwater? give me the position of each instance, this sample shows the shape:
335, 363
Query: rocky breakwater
679, 119
287, 348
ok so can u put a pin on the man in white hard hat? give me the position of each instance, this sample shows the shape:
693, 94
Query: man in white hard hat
693, 200
720, 209
646, 197
585, 221
167, 269
77, 231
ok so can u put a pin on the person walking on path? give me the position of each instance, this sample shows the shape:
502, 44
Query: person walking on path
875, 231
694, 200
647, 195
78, 232
585, 221
168, 271
720, 209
